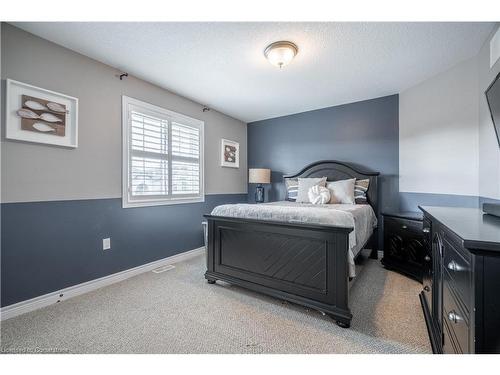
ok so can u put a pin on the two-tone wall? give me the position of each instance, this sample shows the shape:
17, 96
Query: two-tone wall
58, 204
448, 151
436, 145
433, 144
489, 150
439, 140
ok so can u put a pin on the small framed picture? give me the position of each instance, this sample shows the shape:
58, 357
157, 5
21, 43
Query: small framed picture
41, 116
230, 154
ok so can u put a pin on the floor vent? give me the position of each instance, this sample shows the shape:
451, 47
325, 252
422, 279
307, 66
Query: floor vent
161, 269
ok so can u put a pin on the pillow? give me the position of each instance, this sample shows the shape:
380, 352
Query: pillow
319, 195
292, 188
305, 184
360, 189
342, 191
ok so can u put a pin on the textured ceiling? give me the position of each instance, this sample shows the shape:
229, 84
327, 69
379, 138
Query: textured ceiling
222, 64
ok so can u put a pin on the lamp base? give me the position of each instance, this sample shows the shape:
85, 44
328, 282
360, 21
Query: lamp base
259, 194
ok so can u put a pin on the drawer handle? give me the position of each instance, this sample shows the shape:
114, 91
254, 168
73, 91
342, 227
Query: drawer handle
427, 258
426, 230
454, 317
454, 266
404, 227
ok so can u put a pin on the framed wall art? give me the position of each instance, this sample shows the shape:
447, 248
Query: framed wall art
230, 154
38, 115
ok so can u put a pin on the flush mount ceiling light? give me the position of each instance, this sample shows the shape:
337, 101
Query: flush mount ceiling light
281, 53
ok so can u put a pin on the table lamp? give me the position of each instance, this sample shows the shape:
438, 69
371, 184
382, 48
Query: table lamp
259, 176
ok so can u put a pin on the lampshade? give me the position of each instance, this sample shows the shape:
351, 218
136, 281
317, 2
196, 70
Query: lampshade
259, 176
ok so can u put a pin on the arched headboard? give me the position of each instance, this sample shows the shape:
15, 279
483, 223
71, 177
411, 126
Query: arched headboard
337, 170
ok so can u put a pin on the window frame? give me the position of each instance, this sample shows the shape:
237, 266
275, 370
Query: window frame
128, 104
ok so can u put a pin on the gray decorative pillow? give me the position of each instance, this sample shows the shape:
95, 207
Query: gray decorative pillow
342, 191
292, 188
305, 184
360, 189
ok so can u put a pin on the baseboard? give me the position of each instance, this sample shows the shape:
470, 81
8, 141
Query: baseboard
23, 307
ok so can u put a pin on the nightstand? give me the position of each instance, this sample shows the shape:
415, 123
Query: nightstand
404, 243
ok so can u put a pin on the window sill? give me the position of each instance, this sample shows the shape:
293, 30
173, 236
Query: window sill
166, 202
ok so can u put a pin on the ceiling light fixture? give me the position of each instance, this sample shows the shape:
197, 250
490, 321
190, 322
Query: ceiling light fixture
281, 53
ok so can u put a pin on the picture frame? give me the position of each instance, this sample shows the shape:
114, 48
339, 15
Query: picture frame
230, 154
36, 115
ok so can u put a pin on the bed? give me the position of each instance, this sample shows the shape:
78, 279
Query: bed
298, 252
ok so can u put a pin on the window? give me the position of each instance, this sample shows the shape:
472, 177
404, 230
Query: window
162, 156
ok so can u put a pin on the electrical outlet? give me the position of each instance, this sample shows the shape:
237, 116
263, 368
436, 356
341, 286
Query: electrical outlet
106, 243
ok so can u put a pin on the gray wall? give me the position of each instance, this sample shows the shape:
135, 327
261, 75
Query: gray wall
58, 204
438, 133
33, 172
365, 133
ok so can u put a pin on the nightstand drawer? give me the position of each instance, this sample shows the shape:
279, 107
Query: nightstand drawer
458, 273
404, 226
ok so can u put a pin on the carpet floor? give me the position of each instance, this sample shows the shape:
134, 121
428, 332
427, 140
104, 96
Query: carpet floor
178, 312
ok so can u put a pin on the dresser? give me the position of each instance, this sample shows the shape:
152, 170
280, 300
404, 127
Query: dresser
404, 243
461, 280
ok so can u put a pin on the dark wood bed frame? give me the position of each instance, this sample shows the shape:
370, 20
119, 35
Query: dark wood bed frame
302, 263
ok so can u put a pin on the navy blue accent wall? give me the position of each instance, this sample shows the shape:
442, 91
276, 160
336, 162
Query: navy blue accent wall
47, 246
411, 201
487, 200
365, 133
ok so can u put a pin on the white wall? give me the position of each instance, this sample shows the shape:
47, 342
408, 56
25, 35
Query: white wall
35, 172
438, 133
489, 150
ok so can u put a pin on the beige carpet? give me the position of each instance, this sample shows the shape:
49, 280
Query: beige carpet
178, 312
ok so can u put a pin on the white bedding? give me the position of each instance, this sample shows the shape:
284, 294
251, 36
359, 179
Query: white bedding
358, 216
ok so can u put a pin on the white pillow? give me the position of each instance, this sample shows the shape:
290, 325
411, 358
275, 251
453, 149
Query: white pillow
319, 195
342, 191
305, 184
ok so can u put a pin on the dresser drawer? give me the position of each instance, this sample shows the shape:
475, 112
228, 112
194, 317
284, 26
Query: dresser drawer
457, 273
450, 345
457, 321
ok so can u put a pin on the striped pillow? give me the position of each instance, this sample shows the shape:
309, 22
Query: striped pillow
360, 189
292, 189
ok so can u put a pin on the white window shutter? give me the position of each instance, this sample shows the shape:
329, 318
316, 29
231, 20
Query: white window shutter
163, 156
185, 160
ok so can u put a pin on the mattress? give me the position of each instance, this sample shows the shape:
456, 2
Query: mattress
358, 216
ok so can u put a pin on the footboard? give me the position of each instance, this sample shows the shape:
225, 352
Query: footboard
302, 263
